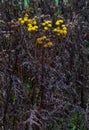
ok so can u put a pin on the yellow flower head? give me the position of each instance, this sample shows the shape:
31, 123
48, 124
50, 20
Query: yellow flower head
26, 15
64, 32
58, 22
44, 37
29, 25
43, 24
45, 45
50, 44
61, 21
39, 40
60, 31
55, 30
46, 28
22, 22
29, 29
29, 21
49, 25
34, 22
25, 19
36, 27
48, 21
64, 28
20, 19
63, 25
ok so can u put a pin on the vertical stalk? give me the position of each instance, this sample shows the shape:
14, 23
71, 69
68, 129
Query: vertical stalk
41, 86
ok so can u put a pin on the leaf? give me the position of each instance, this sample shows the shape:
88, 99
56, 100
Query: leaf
57, 2
26, 3
65, 1
14, 97
28, 86
71, 126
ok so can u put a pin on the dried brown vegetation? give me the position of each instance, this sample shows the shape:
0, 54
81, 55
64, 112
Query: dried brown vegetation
44, 89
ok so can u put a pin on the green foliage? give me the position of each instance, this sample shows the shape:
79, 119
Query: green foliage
71, 126
51, 126
28, 87
76, 122
65, 1
86, 46
57, 2
26, 3
86, 42
59, 12
14, 97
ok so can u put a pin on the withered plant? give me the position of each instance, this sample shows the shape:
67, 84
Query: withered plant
44, 69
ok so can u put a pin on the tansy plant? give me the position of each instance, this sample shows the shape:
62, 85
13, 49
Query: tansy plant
60, 28
45, 28
41, 36
31, 23
47, 25
44, 41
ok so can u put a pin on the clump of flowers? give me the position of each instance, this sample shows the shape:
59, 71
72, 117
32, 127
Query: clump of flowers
60, 28
23, 20
31, 23
47, 24
44, 41
35, 26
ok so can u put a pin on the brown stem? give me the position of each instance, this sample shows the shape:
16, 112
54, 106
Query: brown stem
42, 76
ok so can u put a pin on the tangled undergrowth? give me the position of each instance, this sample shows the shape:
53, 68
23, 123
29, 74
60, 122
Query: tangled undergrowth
44, 69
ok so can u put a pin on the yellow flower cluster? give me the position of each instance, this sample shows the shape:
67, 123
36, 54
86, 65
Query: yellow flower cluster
44, 41
31, 23
23, 20
58, 22
47, 24
61, 28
